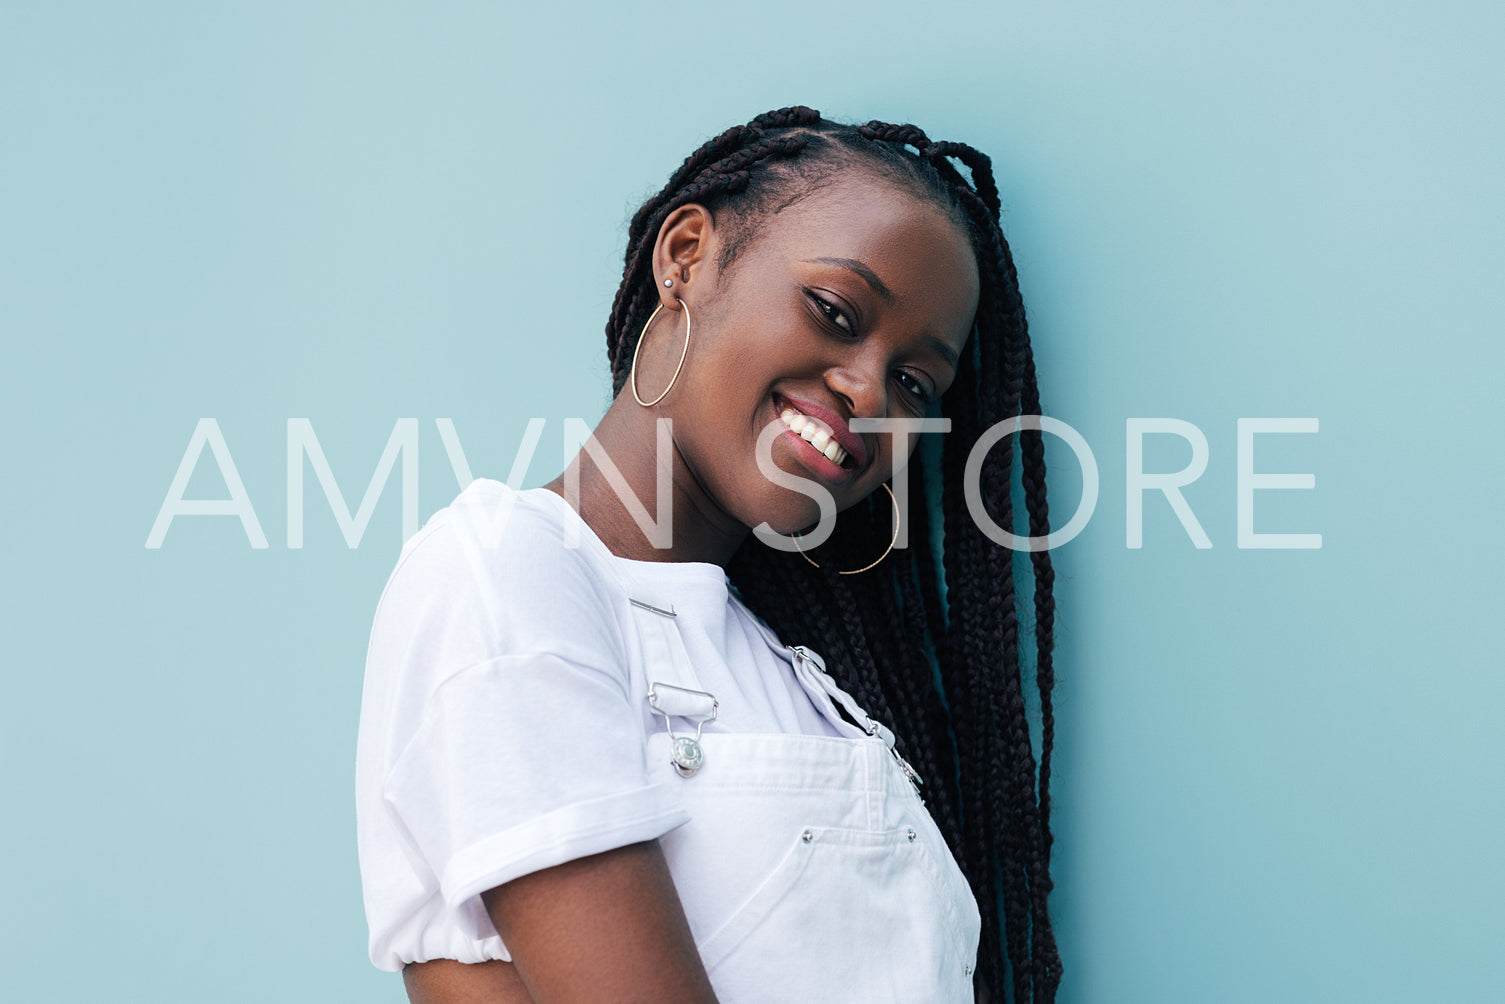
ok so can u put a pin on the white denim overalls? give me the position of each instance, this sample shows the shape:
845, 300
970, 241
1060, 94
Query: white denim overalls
810, 869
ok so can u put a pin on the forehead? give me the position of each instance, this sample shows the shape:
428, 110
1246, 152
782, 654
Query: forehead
912, 245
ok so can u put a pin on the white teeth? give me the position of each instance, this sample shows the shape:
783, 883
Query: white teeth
811, 432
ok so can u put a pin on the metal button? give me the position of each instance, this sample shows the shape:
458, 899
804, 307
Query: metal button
805, 836
911, 835
967, 970
686, 755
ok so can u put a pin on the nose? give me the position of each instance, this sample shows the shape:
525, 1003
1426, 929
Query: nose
864, 392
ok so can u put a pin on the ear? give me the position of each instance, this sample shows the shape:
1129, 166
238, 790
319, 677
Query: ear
682, 252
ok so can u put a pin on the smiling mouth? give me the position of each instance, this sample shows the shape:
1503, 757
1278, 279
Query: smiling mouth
816, 434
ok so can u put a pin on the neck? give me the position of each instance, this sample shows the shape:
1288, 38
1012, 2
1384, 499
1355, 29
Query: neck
628, 436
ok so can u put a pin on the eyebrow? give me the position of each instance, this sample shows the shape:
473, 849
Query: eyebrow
861, 269
943, 350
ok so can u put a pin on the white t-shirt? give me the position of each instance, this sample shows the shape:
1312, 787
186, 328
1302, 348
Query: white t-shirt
504, 717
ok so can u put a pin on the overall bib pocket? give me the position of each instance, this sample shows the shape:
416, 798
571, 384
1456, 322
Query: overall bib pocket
859, 906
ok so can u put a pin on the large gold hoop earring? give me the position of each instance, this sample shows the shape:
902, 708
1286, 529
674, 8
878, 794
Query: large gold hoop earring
890, 547
633, 376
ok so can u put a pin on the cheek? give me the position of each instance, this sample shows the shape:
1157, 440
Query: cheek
736, 365
753, 327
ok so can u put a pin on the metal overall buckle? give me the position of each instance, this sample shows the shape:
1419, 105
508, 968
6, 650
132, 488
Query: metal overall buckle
685, 752
909, 772
868, 724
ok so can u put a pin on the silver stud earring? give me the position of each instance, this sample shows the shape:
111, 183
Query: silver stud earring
668, 282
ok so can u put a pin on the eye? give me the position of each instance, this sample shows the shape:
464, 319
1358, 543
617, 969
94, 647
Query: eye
916, 387
833, 314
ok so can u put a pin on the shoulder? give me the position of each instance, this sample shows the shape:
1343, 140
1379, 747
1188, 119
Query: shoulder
517, 542
502, 572
492, 526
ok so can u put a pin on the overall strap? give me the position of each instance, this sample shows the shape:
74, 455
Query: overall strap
810, 666
674, 688
811, 670
663, 648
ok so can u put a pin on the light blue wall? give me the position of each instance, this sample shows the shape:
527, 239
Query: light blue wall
1279, 772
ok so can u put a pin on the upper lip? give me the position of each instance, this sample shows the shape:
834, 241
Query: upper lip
845, 437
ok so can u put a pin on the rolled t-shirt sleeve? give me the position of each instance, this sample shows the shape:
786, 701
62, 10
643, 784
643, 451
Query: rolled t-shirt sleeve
523, 762
512, 740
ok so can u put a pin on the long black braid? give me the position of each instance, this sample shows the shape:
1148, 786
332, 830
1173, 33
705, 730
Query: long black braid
887, 635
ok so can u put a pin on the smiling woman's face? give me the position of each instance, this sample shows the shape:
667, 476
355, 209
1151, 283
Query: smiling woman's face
854, 302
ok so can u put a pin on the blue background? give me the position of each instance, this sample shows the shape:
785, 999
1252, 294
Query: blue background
1279, 772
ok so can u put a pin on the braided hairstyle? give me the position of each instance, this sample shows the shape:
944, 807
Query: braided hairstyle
944, 673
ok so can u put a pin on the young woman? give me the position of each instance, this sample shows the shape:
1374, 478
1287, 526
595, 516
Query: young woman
590, 769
